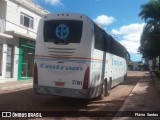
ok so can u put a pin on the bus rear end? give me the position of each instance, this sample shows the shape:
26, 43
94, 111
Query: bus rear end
62, 56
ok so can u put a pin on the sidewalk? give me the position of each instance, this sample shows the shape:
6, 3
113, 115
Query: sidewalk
16, 85
144, 97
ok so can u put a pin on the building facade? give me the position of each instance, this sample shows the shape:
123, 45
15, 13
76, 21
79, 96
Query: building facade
18, 29
135, 66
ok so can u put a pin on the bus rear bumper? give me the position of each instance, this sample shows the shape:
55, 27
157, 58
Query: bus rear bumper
66, 92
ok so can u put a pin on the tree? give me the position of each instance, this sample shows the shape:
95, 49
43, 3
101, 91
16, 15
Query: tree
150, 11
150, 42
150, 38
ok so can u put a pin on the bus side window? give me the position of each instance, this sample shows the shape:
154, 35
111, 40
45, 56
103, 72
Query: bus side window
97, 44
110, 44
99, 38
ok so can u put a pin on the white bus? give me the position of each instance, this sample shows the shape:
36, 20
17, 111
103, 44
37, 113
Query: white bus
74, 57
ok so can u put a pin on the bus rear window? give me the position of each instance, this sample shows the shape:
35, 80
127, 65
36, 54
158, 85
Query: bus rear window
63, 31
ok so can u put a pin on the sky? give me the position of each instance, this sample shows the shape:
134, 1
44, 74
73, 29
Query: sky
119, 18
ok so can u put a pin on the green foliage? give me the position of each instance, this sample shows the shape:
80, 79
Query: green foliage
157, 73
150, 38
150, 11
150, 43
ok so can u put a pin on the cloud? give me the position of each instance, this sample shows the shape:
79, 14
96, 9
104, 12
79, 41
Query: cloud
131, 36
104, 20
54, 2
132, 28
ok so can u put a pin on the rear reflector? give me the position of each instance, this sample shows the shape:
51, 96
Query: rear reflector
86, 79
35, 78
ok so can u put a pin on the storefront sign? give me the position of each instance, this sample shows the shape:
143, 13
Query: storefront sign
26, 42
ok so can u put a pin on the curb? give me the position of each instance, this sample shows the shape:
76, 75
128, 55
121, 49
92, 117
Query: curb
119, 113
156, 83
127, 103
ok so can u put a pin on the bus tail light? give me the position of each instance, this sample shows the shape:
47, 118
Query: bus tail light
35, 79
86, 79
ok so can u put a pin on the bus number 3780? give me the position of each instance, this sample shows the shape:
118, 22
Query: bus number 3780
76, 82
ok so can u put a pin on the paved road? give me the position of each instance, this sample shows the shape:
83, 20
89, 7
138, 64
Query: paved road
26, 100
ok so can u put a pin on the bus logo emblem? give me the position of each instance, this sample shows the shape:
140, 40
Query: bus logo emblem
62, 31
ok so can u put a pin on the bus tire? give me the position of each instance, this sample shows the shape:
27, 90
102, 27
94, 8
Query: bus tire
125, 76
103, 91
108, 86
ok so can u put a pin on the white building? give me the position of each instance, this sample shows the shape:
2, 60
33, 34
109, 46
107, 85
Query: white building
18, 29
134, 65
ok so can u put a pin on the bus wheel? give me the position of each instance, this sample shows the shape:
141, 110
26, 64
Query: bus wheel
125, 76
103, 91
108, 87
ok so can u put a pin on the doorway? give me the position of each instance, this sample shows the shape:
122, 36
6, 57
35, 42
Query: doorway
26, 59
9, 61
27, 62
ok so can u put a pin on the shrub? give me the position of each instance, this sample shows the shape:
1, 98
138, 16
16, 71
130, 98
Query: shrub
157, 72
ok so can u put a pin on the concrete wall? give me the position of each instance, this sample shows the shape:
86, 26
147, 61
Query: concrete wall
2, 15
13, 20
3, 8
